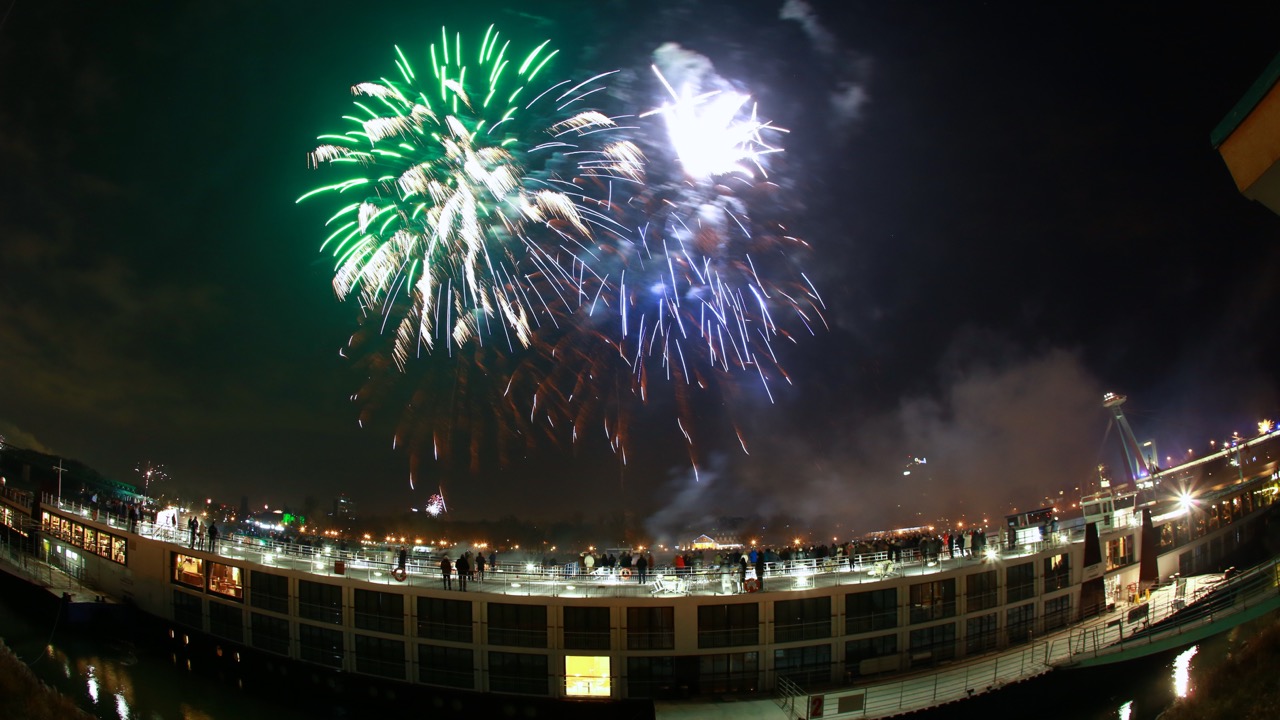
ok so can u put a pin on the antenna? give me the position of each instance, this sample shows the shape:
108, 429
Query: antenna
59, 468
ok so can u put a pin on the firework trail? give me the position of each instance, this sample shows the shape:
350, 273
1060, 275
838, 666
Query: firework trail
705, 282
460, 225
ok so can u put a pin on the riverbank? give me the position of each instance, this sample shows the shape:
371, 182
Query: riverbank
23, 695
1244, 687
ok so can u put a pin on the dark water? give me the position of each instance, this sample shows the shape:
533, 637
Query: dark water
119, 680
1135, 690
115, 679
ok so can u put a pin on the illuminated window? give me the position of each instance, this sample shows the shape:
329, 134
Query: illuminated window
225, 580
1057, 572
933, 600
587, 676
188, 570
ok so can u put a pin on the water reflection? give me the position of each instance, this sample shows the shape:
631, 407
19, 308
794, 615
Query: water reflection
115, 679
91, 682
1182, 671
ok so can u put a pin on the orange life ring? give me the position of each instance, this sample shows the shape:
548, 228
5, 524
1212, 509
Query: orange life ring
751, 585
399, 574
624, 572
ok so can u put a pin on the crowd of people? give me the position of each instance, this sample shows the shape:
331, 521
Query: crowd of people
470, 566
751, 564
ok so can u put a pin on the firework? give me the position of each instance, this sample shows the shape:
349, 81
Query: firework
435, 505
150, 473
710, 134
460, 224
706, 284
441, 169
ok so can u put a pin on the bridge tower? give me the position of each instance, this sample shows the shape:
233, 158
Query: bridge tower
1136, 462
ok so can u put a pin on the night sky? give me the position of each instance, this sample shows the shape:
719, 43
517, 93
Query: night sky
1012, 208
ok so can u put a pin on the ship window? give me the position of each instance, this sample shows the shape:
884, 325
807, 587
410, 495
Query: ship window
269, 592
1057, 612
587, 676
855, 651
450, 666
649, 676
320, 645
729, 673
225, 580
1021, 582
804, 665
804, 619
188, 609
1021, 622
380, 656
980, 634
441, 619
518, 673
933, 600
270, 633
320, 601
651, 628
188, 570
1057, 572
981, 590
226, 621
867, 611
518, 625
728, 625
1120, 552
586, 628
379, 611
933, 644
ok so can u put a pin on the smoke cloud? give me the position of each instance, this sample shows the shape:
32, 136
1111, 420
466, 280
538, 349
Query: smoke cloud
993, 436
849, 70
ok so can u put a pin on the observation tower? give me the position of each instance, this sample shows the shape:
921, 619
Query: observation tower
1136, 463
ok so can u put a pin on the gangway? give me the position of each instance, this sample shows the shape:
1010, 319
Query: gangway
1182, 618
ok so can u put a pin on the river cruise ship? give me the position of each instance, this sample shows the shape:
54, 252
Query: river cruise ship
539, 638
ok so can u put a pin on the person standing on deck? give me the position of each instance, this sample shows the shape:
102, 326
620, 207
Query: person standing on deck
446, 572
480, 565
464, 569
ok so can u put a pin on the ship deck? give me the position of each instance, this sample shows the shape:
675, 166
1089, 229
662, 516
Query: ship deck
570, 580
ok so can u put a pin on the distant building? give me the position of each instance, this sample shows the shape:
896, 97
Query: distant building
344, 509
